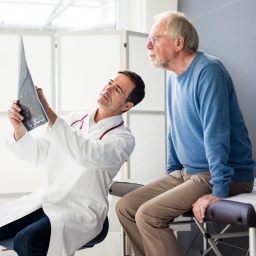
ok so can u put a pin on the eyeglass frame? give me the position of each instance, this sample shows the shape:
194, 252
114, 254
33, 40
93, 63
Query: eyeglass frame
152, 39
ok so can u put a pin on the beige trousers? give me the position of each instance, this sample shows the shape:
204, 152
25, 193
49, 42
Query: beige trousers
145, 213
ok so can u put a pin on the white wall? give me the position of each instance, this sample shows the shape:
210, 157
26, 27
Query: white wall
137, 15
16, 175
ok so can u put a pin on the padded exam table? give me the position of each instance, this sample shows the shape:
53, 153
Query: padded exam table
238, 210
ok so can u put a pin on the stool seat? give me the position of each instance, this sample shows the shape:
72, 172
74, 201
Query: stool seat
8, 243
100, 237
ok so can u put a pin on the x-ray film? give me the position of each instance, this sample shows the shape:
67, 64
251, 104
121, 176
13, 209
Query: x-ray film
32, 109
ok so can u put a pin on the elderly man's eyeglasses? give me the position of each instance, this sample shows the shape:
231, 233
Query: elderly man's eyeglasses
153, 39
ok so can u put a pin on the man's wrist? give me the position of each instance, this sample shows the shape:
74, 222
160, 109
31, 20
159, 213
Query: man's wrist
19, 132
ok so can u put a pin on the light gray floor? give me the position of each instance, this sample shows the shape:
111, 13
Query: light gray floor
7, 253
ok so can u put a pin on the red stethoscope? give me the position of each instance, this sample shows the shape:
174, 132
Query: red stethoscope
82, 123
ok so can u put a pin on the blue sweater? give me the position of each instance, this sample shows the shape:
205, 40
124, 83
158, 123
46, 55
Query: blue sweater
207, 130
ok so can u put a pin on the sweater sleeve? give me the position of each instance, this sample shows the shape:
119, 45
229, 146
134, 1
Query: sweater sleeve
173, 162
214, 92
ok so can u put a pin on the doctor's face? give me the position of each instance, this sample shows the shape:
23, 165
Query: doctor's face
115, 93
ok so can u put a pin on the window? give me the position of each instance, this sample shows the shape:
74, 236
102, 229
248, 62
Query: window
57, 14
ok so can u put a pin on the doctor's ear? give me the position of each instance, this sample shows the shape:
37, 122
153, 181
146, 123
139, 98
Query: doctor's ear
128, 105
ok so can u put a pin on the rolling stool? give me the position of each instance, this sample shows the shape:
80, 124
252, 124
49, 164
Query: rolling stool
8, 243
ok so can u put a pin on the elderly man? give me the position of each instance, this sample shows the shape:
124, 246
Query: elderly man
209, 151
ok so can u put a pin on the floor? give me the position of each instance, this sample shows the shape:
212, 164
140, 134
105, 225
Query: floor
7, 253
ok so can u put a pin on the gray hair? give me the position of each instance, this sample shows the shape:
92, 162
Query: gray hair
178, 24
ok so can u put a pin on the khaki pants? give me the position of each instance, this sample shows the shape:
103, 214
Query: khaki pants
145, 213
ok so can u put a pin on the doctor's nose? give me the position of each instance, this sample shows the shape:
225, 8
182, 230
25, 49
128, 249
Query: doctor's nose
109, 88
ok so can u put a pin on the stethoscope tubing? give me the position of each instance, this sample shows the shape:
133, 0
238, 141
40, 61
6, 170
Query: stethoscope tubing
82, 123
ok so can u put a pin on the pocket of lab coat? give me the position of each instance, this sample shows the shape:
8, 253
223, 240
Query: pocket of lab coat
89, 212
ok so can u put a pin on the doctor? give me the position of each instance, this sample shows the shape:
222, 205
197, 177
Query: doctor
81, 154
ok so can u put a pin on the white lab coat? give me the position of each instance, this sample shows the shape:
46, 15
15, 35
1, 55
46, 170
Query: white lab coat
78, 171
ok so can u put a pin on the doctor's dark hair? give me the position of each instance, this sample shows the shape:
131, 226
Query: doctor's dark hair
138, 93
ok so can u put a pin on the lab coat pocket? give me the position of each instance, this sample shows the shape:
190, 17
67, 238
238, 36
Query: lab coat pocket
89, 212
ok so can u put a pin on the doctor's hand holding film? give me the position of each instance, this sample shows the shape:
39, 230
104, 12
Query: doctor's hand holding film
15, 117
52, 116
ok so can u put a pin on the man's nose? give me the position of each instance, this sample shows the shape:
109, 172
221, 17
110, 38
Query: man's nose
109, 88
149, 45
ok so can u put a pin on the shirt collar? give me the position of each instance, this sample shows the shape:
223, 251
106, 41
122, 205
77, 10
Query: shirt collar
113, 120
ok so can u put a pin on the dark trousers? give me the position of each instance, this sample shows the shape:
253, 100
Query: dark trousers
31, 234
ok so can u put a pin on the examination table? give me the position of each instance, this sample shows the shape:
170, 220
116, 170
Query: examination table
238, 210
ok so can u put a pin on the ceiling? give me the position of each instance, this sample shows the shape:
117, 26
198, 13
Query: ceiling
57, 14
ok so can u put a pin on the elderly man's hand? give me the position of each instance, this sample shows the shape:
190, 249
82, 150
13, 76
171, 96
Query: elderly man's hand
200, 206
